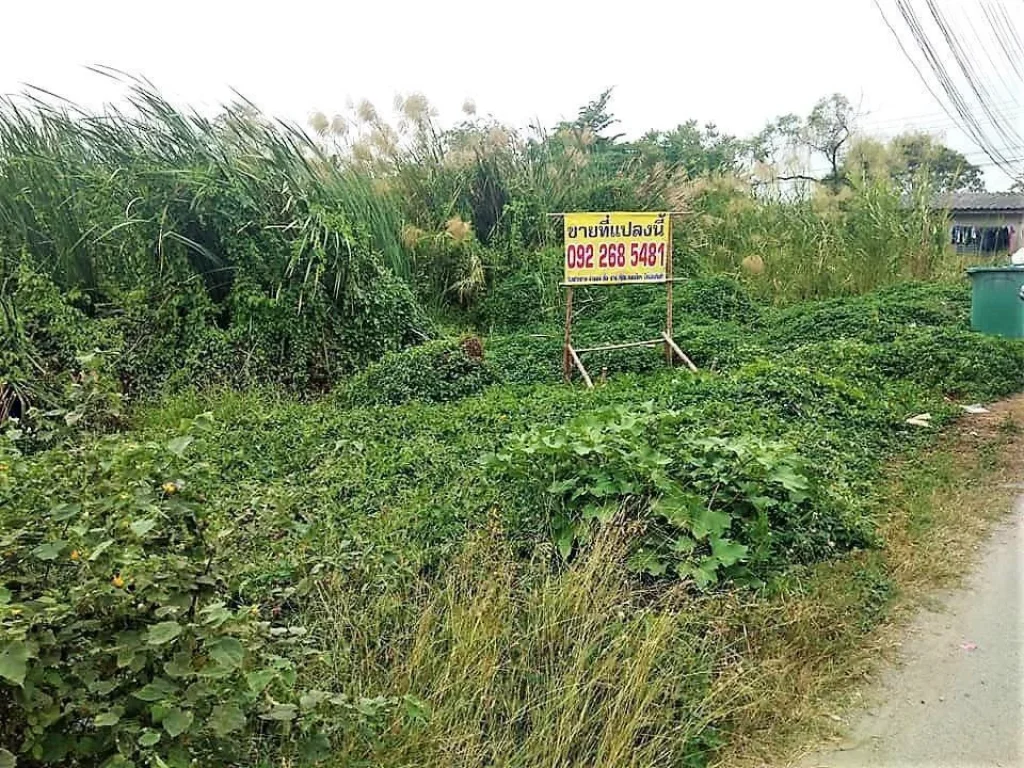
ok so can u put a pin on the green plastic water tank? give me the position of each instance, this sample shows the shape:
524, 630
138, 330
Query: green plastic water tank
997, 301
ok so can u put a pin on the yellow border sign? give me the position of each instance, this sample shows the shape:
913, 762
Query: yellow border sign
617, 247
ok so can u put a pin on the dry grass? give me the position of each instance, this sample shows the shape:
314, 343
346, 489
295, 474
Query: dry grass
525, 665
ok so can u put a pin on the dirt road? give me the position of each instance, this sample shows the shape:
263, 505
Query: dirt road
956, 698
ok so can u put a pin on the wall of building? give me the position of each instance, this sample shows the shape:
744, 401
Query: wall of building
983, 219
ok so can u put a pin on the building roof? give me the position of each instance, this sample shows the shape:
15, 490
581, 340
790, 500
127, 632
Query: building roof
981, 201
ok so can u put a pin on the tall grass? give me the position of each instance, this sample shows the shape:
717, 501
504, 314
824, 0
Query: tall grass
522, 665
118, 197
816, 245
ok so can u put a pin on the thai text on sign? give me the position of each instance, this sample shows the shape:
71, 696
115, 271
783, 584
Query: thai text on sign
617, 247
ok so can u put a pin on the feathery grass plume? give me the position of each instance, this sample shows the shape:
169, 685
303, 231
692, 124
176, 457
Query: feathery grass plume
318, 122
457, 229
339, 126
367, 113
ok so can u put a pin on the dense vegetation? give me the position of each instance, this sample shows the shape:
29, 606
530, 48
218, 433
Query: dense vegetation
288, 474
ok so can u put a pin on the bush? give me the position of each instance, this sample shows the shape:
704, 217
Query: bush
526, 297
120, 636
708, 508
960, 363
877, 317
435, 372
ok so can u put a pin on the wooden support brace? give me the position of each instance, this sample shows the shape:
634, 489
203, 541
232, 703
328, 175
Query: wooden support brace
567, 344
672, 347
579, 364
626, 345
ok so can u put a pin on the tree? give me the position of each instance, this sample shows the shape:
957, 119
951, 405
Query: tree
691, 149
917, 155
826, 131
591, 122
911, 159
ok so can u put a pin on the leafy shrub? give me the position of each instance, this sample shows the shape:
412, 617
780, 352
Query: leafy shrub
709, 508
437, 371
525, 297
718, 346
120, 638
525, 359
960, 363
875, 317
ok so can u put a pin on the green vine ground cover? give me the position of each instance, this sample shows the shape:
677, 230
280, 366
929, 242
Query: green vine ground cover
455, 558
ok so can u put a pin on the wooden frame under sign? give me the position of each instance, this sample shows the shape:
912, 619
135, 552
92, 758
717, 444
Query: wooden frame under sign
617, 248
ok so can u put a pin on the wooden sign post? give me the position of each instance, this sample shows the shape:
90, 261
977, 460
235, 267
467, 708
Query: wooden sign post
617, 249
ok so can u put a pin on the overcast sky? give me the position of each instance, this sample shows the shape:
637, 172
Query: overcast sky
737, 63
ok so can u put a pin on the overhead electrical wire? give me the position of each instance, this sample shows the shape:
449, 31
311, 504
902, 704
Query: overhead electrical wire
968, 85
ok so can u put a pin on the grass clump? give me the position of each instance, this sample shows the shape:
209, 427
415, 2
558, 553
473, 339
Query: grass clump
512, 663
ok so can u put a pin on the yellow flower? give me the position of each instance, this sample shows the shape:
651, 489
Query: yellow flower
3, 467
117, 581
170, 488
75, 554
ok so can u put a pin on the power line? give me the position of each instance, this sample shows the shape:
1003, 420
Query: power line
939, 117
965, 104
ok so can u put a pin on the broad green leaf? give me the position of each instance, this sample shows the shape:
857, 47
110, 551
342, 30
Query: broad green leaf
107, 719
315, 748
157, 690
603, 513
260, 679
100, 549
64, 512
645, 561
678, 508
178, 445
370, 707
416, 709
225, 719
227, 652
312, 699
14, 661
683, 545
149, 738
706, 573
727, 552
179, 665
214, 614
710, 523
562, 486
7, 760
5, 595
162, 633
141, 527
177, 721
564, 540
49, 550
563, 532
